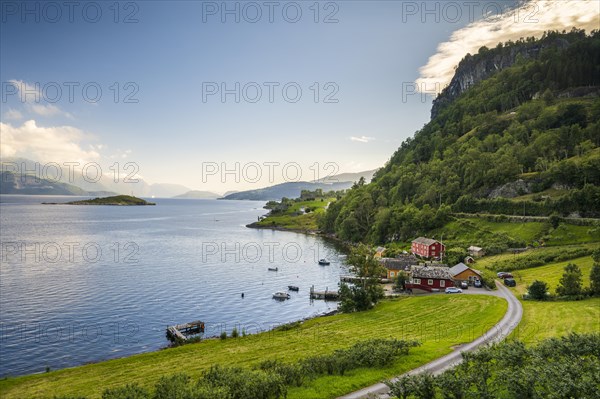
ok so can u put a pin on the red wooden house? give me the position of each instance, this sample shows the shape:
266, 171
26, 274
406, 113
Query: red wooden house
427, 248
430, 278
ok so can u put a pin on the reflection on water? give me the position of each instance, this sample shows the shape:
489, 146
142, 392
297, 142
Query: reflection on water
81, 284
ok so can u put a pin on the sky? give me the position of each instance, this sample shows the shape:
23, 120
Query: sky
235, 95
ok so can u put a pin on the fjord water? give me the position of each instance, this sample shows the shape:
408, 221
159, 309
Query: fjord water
82, 284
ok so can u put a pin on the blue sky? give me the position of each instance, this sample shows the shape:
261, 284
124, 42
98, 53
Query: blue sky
172, 52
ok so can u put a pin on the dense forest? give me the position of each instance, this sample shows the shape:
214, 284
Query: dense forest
522, 141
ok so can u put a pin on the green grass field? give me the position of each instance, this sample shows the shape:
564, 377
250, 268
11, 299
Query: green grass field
546, 319
543, 320
439, 322
550, 274
291, 220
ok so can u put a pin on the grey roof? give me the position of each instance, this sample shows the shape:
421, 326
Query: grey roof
432, 272
423, 240
401, 262
461, 267
474, 248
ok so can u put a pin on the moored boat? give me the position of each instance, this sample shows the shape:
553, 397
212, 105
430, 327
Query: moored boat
324, 262
281, 295
293, 288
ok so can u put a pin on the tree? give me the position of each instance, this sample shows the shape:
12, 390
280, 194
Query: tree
400, 284
368, 292
595, 280
537, 290
570, 282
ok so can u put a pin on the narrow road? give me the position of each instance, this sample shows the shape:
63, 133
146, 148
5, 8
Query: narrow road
501, 330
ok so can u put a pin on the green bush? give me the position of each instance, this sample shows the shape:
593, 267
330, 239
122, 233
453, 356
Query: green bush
511, 370
129, 391
223, 335
539, 258
245, 384
537, 290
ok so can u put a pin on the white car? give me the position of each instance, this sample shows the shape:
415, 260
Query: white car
453, 290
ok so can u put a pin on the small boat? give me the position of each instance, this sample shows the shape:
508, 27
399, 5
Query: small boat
273, 269
293, 288
324, 262
281, 295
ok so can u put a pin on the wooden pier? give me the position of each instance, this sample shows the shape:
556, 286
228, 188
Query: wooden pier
326, 295
181, 331
355, 279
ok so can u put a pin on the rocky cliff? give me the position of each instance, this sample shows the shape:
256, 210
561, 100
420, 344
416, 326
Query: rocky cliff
473, 69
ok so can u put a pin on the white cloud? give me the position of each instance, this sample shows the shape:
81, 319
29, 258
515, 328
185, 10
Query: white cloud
57, 144
33, 98
531, 18
13, 114
362, 139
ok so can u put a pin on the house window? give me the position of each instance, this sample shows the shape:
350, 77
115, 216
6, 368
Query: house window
417, 280
430, 282
392, 274
442, 283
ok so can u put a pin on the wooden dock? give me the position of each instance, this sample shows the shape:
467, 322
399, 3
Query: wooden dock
181, 331
326, 295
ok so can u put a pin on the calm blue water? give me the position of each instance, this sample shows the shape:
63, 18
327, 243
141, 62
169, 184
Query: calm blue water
82, 284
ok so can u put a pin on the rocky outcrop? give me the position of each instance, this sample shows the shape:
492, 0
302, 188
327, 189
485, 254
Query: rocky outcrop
473, 69
511, 190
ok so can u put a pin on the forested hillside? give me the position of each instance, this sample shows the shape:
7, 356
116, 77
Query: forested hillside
524, 140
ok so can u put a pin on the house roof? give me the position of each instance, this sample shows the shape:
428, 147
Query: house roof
380, 249
423, 240
474, 248
399, 263
432, 272
459, 268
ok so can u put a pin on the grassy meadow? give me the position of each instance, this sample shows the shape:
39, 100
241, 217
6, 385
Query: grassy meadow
439, 322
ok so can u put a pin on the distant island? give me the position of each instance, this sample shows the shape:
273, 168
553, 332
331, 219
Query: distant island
120, 200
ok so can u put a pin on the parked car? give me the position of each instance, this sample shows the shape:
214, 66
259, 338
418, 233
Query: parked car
510, 282
464, 285
504, 275
477, 284
453, 290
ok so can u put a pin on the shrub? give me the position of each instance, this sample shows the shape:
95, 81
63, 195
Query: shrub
234, 333
129, 391
223, 335
538, 290
245, 384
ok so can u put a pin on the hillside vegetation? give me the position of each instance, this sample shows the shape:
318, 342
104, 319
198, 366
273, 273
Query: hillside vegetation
532, 128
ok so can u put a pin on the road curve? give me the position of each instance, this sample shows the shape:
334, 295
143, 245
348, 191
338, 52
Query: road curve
497, 333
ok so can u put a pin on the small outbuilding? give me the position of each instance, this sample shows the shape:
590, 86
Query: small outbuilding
476, 252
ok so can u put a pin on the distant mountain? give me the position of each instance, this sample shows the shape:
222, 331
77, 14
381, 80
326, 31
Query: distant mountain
348, 177
196, 194
11, 183
288, 190
293, 189
165, 190
109, 183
